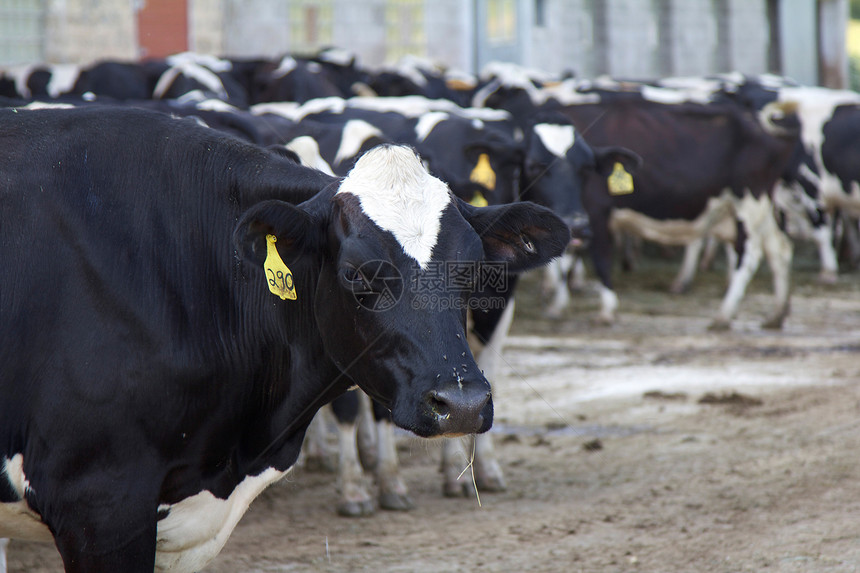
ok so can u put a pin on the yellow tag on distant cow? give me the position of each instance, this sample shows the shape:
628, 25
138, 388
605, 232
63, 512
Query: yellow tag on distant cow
483, 173
478, 200
457, 84
278, 276
620, 182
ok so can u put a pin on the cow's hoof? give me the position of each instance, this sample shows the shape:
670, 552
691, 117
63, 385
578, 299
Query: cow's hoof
719, 325
601, 320
395, 501
773, 323
356, 508
679, 288
460, 488
492, 484
828, 277
552, 313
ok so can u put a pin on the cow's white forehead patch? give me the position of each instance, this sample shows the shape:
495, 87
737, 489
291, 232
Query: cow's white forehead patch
557, 138
427, 122
398, 194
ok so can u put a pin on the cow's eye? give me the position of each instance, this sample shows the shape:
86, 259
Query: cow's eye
353, 276
527, 243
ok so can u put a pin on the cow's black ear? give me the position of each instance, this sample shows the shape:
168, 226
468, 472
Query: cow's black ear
278, 149
605, 159
295, 229
521, 235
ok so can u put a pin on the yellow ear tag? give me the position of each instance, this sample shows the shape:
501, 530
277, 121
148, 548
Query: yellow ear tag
483, 174
479, 200
278, 276
459, 85
620, 182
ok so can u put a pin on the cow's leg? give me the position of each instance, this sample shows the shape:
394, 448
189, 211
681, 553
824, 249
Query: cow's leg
779, 250
749, 262
709, 253
488, 472
135, 553
456, 482
688, 267
731, 261
576, 276
316, 454
4, 543
849, 244
554, 285
601, 255
756, 215
823, 237
355, 501
366, 437
393, 493
105, 521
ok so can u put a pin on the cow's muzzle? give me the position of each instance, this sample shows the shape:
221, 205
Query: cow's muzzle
580, 230
461, 408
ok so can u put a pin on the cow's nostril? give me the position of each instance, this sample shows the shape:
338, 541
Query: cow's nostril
438, 406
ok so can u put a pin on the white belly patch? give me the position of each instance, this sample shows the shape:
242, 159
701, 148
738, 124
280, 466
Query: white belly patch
16, 519
197, 528
193, 533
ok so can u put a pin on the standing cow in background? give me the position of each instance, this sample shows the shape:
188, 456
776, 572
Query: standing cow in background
198, 317
702, 162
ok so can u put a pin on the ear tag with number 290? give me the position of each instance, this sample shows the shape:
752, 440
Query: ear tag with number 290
278, 275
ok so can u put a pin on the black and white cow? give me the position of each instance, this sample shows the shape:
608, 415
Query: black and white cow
803, 197
702, 162
172, 319
411, 75
485, 156
826, 178
39, 81
192, 77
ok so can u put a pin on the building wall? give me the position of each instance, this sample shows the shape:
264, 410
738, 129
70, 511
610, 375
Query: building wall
749, 36
451, 20
624, 38
206, 23
83, 31
255, 28
633, 39
362, 25
564, 40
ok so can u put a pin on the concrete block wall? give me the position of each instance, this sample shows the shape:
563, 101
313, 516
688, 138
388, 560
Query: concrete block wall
450, 20
206, 23
255, 28
361, 26
566, 39
693, 37
84, 31
749, 36
633, 35
624, 38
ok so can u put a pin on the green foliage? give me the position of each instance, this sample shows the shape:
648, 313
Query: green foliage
855, 9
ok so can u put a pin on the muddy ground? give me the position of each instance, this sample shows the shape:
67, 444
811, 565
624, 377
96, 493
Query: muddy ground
613, 460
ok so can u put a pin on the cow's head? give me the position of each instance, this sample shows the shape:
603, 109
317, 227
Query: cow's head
477, 155
395, 257
559, 163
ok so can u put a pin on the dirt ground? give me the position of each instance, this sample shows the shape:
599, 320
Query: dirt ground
614, 461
